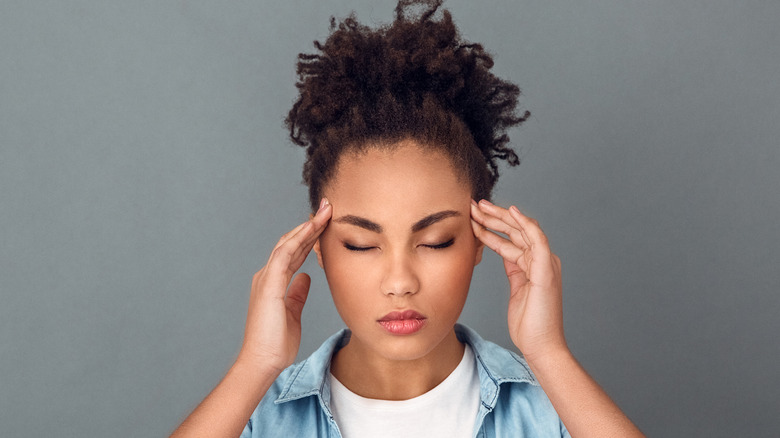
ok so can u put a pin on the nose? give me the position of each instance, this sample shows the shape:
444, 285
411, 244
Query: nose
400, 277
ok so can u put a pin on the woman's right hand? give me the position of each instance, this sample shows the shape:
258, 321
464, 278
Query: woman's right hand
273, 325
271, 338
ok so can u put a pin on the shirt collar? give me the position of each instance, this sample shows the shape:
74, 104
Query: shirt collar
495, 366
310, 376
499, 364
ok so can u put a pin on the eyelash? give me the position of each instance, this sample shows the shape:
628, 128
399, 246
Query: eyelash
357, 248
441, 245
367, 248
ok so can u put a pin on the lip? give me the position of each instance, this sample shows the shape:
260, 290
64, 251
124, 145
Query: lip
406, 322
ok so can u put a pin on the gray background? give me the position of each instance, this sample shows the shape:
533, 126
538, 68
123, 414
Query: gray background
145, 176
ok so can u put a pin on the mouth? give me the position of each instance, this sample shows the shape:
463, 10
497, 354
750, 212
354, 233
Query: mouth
403, 323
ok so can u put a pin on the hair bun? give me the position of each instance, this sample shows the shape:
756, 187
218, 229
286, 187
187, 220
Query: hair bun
366, 82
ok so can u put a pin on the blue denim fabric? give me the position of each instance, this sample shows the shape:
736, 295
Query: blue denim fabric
513, 403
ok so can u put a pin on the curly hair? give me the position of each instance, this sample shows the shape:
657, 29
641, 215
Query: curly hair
412, 79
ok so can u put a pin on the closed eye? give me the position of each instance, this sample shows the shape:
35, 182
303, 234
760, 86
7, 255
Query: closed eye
357, 248
441, 245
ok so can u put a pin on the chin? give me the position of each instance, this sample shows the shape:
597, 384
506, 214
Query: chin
407, 347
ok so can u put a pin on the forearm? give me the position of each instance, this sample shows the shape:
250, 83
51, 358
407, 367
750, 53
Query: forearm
585, 409
226, 410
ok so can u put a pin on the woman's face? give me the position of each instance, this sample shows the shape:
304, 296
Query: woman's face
399, 250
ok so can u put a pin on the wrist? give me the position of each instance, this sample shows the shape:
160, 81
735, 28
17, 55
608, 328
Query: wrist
254, 371
549, 357
258, 363
262, 359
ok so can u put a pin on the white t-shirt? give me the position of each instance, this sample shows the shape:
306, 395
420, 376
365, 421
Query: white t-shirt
448, 410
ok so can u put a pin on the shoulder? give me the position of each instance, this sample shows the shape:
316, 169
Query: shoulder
296, 417
510, 391
499, 364
294, 402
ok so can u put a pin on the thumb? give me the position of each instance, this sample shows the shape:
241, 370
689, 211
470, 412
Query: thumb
296, 295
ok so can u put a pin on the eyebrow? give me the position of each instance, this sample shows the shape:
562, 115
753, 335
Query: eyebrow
432, 219
376, 228
359, 222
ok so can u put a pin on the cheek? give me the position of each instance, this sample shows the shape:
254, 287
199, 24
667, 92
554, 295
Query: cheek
456, 275
451, 273
340, 271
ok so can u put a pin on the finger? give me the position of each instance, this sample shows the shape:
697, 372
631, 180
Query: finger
297, 294
285, 259
319, 223
515, 264
530, 227
489, 221
289, 234
513, 230
556, 265
504, 215
503, 247
302, 243
289, 257
320, 219
490, 209
304, 235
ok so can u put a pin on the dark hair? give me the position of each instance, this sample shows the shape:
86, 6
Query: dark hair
413, 79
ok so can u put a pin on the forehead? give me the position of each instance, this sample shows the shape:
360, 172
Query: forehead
404, 178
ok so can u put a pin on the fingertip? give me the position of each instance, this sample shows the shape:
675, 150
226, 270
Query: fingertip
515, 212
324, 204
325, 208
476, 215
302, 276
476, 227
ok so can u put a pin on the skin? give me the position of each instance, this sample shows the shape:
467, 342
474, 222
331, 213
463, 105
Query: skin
401, 267
400, 270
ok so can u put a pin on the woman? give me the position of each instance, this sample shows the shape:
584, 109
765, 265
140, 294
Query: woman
403, 127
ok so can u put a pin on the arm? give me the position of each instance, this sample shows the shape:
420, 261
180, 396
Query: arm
271, 337
226, 410
535, 317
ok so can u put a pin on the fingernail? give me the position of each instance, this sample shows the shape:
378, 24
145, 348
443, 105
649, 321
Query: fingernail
323, 203
485, 202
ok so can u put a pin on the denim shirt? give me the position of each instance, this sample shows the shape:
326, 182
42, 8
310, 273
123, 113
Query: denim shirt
512, 402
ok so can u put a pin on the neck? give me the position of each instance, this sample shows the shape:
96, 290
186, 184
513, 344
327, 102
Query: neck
368, 374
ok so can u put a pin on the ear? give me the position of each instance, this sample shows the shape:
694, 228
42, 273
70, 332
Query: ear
317, 250
478, 253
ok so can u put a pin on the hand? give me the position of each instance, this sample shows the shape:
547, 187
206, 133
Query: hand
273, 326
536, 322
535, 313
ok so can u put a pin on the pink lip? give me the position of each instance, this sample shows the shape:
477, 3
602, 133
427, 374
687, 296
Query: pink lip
402, 323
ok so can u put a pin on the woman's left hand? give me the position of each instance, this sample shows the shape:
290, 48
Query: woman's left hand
535, 313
